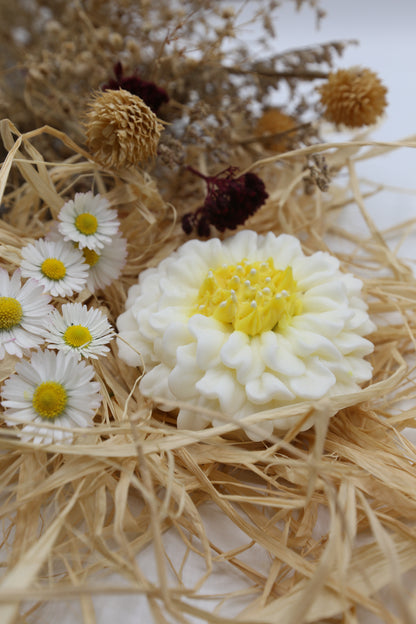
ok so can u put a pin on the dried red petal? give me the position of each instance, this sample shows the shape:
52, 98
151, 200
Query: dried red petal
149, 92
229, 202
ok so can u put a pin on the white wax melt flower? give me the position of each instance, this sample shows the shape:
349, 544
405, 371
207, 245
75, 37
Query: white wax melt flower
246, 325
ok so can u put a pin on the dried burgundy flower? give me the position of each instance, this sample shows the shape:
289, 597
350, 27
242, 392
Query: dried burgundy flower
149, 92
229, 202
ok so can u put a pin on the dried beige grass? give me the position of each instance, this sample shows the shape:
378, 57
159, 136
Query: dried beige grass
69, 512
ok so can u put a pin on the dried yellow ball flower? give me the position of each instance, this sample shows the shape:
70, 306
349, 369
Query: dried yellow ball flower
121, 129
354, 97
273, 121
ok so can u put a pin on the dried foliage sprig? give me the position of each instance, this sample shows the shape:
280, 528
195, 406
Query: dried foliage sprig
357, 467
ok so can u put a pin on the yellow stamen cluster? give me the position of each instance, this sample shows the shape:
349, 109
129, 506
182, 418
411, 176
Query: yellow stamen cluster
10, 313
49, 400
86, 223
253, 297
77, 336
91, 257
53, 268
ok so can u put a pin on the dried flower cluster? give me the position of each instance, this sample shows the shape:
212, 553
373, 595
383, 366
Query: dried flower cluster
71, 49
122, 131
354, 97
276, 129
230, 200
151, 94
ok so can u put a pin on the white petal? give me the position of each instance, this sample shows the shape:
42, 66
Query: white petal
312, 270
210, 337
244, 355
277, 355
175, 336
155, 383
221, 385
361, 370
315, 383
305, 343
266, 388
330, 323
348, 342
185, 374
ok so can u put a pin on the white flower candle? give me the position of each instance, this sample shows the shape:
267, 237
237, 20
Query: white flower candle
246, 325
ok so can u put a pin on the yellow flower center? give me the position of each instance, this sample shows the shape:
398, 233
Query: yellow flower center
253, 297
77, 336
53, 268
49, 400
86, 223
10, 313
91, 257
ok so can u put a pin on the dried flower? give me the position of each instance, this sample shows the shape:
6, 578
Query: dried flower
229, 202
246, 325
354, 97
149, 92
121, 129
274, 122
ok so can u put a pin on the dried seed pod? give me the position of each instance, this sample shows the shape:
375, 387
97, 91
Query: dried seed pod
354, 97
121, 129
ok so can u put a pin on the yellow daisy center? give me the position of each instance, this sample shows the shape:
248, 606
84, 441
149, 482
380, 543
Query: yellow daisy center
10, 313
49, 400
77, 336
91, 257
53, 268
253, 297
86, 223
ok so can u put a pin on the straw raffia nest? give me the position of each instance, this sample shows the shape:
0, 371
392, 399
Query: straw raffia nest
76, 513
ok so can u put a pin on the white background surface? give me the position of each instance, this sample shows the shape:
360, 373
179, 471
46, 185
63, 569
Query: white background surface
386, 32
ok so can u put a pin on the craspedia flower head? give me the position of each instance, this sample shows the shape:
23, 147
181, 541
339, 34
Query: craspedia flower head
246, 325
354, 97
121, 129
53, 389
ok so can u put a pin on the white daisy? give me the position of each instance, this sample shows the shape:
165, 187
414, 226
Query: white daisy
246, 325
79, 330
22, 314
88, 221
106, 264
52, 388
57, 265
